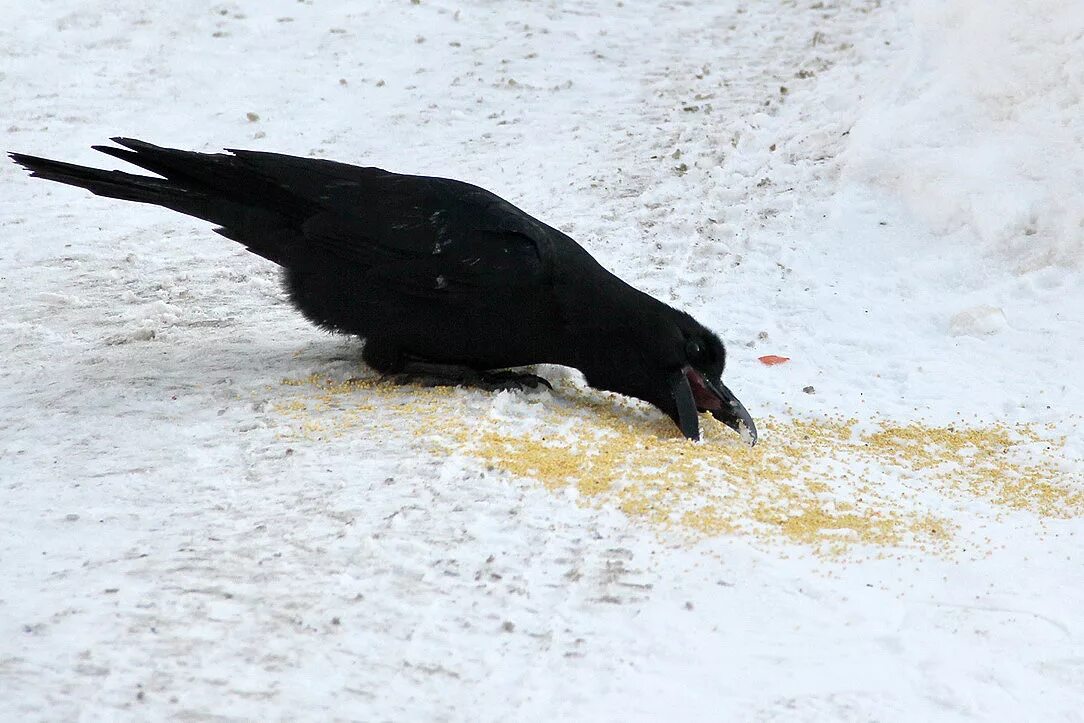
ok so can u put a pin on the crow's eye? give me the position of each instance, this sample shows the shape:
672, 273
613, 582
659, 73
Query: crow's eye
693, 350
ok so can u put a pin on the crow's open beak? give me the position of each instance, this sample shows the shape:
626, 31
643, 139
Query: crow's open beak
693, 393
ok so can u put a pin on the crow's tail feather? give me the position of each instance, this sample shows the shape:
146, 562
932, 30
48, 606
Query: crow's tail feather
214, 187
112, 184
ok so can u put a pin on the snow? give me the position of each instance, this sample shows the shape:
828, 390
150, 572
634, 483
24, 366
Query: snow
203, 517
978, 320
980, 132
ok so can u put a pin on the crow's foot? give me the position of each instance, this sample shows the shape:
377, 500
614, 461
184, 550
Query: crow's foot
451, 375
518, 381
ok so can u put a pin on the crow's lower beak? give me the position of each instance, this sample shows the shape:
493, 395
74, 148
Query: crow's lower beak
688, 420
732, 413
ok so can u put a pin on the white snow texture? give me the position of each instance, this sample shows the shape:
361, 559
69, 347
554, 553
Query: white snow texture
890, 194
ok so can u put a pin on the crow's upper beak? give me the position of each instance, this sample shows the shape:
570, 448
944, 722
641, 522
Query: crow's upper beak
733, 414
693, 392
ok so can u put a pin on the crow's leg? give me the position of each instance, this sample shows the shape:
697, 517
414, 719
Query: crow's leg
429, 374
381, 356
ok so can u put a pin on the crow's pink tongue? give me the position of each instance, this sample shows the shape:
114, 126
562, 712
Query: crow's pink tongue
704, 397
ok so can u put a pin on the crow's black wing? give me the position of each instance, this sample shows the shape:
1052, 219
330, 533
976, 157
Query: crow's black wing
427, 237
459, 263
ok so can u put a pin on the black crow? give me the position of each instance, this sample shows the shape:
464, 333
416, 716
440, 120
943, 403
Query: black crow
440, 277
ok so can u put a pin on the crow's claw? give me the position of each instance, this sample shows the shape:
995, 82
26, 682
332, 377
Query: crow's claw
511, 381
448, 375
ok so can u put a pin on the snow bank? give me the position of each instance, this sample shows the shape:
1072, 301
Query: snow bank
979, 129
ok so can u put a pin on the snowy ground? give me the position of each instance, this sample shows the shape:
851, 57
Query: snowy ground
891, 195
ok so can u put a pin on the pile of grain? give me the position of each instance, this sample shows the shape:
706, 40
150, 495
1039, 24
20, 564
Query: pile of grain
830, 483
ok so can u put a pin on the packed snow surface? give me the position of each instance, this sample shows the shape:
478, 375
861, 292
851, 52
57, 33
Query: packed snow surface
212, 510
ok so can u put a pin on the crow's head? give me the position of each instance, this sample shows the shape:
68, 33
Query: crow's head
676, 364
694, 384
